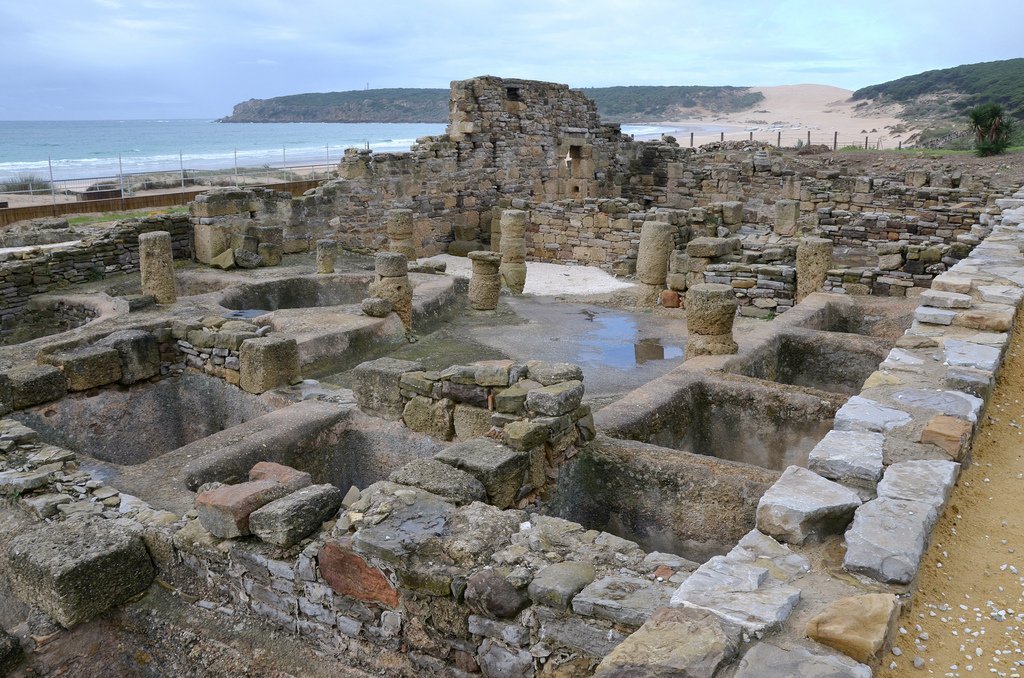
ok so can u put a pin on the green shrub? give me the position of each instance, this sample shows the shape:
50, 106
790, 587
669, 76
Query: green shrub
992, 129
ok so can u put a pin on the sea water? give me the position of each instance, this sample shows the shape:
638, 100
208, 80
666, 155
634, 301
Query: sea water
79, 149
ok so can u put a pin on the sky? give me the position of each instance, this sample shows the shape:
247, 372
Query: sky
155, 59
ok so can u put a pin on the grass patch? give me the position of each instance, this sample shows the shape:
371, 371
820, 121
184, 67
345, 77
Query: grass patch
104, 217
27, 183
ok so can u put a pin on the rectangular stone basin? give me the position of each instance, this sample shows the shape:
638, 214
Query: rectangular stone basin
727, 416
131, 425
882, 317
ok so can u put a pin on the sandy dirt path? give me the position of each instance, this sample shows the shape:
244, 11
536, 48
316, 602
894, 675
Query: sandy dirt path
967, 617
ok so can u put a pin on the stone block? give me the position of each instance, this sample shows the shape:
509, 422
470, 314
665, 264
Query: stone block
432, 417
501, 469
377, 386
512, 400
441, 479
139, 351
591, 639
348, 574
35, 384
1001, 294
952, 434
557, 399
391, 265
864, 414
225, 510
925, 481
934, 316
959, 353
76, 569
787, 213
710, 248
524, 434
674, 642
547, 373
490, 593
269, 253
19, 482
470, 422
87, 367
764, 659
211, 241
622, 599
940, 299
887, 539
268, 362
557, 584
802, 506
857, 626
286, 521
495, 659
849, 457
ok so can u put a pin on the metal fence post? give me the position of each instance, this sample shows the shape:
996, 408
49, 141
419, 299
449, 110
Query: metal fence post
835, 140
53, 187
778, 141
691, 139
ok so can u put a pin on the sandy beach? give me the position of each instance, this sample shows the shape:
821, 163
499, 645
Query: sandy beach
795, 110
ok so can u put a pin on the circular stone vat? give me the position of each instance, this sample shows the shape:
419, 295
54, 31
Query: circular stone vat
305, 292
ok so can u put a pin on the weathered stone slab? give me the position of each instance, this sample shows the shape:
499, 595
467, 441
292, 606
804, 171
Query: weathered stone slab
622, 599
75, 569
849, 457
18, 482
556, 584
863, 414
934, 316
268, 362
35, 384
286, 521
941, 299
681, 642
512, 400
557, 399
500, 468
490, 593
764, 659
441, 479
952, 403
803, 506
495, 659
710, 248
759, 549
740, 593
547, 373
1001, 294
970, 354
901, 359
575, 632
225, 510
139, 351
928, 482
432, 417
887, 539
856, 626
949, 282
376, 385
514, 634
286, 475
87, 367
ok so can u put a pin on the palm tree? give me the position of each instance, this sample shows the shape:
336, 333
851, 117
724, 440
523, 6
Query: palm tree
991, 127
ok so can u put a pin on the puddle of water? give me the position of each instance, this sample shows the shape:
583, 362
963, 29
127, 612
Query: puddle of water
614, 343
245, 314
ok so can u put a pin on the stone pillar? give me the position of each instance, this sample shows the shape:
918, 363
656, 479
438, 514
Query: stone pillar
393, 284
813, 260
485, 285
657, 241
710, 310
786, 214
398, 223
156, 263
326, 251
496, 229
513, 249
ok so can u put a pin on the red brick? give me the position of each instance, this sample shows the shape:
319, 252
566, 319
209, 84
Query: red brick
224, 511
286, 475
349, 575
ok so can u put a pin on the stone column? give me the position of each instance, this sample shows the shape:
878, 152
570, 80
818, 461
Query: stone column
710, 310
326, 251
657, 240
156, 263
485, 285
513, 250
496, 229
813, 260
393, 284
398, 223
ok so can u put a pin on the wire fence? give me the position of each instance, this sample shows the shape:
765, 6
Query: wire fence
799, 138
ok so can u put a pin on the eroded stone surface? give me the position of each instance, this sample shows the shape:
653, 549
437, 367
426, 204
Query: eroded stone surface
285, 521
856, 626
803, 506
622, 599
863, 414
765, 659
441, 479
887, 539
849, 457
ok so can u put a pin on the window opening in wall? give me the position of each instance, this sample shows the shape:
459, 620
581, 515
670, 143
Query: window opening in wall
574, 155
513, 94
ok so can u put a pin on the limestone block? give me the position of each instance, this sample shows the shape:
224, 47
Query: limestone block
557, 399
490, 593
224, 260
710, 311
970, 354
269, 253
348, 574
952, 434
513, 224
246, 259
19, 482
657, 242
470, 422
156, 264
286, 521
556, 584
432, 417
524, 434
916, 178
224, 511
887, 539
139, 351
495, 659
890, 262
377, 386
548, 373
35, 384
269, 235
512, 400
441, 479
710, 248
268, 362
76, 569
765, 659
87, 367
211, 240
513, 276
676, 281
485, 283
398, 291
732, 213
622, 599
813, 260
391, 265
326, 252
375, 307
939, 299
925, 481
286, 475
864, 414
501, 469
986, 319
674, 642
513, 250
856, 626
951, 282
1000, 294
738, 592
802, 506
849, 457
787, 212
934, 316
